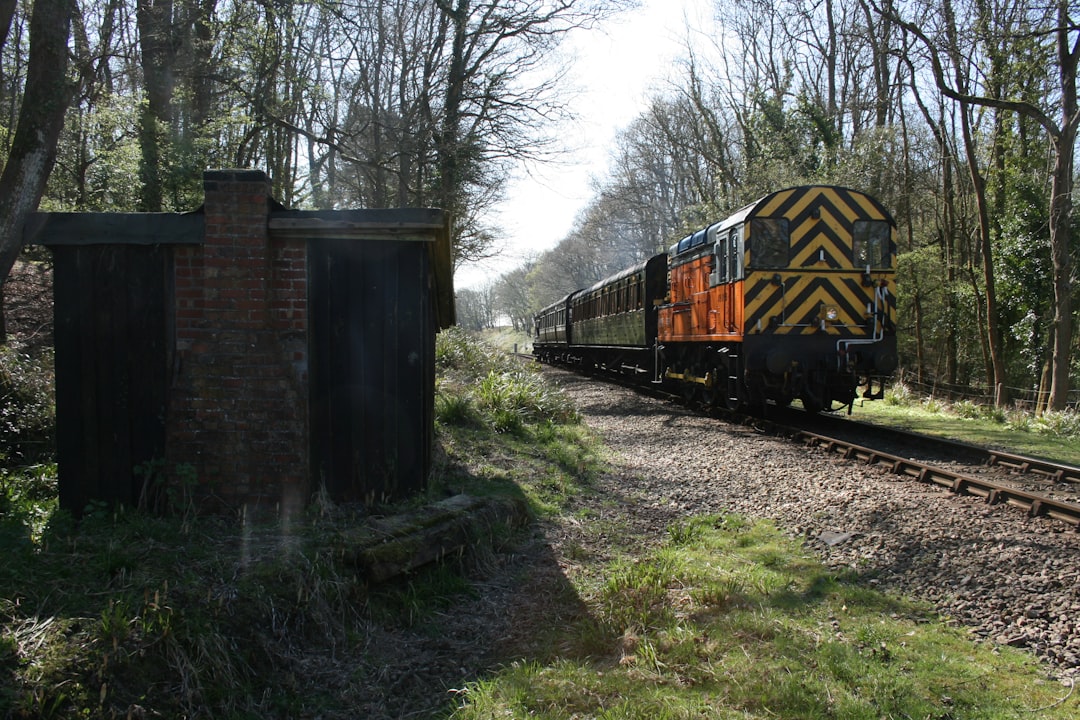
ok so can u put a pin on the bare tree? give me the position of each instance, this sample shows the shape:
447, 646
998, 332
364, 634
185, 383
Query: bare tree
412, 102
1056, 25
512, 297
474, 308
486, 116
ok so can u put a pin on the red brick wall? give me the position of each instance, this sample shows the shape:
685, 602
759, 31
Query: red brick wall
238, 411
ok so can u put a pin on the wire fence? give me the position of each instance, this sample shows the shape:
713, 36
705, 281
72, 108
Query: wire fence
1027, 399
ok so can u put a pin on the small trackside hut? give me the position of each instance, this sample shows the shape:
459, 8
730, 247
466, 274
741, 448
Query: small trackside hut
245, 356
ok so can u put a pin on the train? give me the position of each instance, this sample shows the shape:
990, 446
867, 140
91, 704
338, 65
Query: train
791, 297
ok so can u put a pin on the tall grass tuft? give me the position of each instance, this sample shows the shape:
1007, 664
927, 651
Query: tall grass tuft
898, 394
480, 385
460, 356
518, 396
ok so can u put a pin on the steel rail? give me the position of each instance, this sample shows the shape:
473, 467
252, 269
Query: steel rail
1020, 464
1032, 503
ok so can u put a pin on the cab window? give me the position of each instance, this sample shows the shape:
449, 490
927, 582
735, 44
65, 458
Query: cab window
769, 242
722, 262
870, 243
733, 255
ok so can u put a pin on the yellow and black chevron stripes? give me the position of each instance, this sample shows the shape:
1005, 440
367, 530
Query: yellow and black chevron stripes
795, 304
820, 222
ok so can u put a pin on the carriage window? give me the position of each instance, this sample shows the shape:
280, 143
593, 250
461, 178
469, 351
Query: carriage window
769, 242
870, 243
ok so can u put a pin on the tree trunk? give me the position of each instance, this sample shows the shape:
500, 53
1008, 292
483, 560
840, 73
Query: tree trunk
449, 146
996, 371
7, 14
1063, 138
157, 42
1061, 210
41, 118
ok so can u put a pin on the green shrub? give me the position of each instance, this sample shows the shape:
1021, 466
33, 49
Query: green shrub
27, 408
933, 405
995, 414
479, 384
458, 353
455, 409
517, 396
1058, 423
1020, 422
28, 498
968, 409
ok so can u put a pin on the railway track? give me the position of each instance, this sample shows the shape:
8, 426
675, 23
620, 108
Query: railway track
796, 425
1036, 487
1048, 470
1034, 504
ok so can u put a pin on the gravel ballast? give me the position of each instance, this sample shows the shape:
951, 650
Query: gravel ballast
1008, 578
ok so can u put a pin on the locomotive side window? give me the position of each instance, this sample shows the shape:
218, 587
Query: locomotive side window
733, 255
722, 262
769, 242
870, 243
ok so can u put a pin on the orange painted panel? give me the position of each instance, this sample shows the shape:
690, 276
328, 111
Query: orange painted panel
697, 312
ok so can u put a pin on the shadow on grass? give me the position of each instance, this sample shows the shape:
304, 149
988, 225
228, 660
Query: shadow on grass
131, 615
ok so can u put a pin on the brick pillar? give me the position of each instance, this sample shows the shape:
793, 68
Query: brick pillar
238, 404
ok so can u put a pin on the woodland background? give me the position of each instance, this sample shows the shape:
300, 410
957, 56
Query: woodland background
960, 116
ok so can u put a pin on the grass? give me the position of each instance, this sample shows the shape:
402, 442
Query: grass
720, 618
730, 619
511, 431
1054, 435
126, 610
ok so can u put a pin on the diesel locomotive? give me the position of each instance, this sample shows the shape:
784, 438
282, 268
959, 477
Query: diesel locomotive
791, 297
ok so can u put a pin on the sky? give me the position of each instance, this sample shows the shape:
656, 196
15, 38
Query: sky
618, 68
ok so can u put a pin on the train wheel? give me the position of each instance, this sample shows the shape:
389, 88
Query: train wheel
689, 391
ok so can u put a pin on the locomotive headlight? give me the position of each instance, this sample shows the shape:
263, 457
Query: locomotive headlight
830, 313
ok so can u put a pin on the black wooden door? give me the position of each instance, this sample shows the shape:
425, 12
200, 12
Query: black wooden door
111, 369
371, 368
